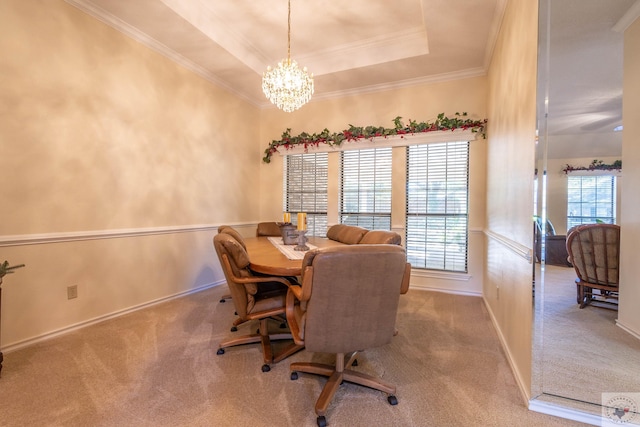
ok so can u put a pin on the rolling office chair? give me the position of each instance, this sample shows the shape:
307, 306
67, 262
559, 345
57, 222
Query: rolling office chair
258, 298
347, 303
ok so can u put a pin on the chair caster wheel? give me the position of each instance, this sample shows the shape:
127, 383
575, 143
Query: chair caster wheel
222, 300
294, 376
322, 421
220, 351
266, 368
392, 400
234, 329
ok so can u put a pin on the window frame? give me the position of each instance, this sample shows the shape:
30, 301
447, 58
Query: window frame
596, 204
366, 183
431, 243
312, 191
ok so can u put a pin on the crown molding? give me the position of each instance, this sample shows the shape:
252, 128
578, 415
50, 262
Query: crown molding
121, 26
501, 6
632, 14
363, 53
444, 77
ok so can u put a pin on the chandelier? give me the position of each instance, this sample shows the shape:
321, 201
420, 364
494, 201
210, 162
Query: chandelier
287, 86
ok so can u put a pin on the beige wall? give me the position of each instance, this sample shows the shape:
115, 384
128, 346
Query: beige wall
100, 132
629, 315
423, 102
101, 135
510, 172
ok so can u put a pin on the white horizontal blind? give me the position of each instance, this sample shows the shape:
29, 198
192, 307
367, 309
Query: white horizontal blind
305, 189
591, 199
365, 188
437, 206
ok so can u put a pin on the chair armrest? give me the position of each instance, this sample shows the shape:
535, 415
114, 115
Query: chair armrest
404, 288
293, 294
255, 279
307, 284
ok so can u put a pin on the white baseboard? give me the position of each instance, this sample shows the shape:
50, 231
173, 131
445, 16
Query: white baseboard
564, 412
444, 290
40, 338
627, 329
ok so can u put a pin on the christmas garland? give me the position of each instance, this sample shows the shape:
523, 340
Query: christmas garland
595, 165
353, 133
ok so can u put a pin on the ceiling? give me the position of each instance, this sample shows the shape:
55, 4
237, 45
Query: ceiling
360, 46
585, 67
350, 46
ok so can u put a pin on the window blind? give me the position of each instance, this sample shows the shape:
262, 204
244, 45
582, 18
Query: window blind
591, 199
437, 206
305, 189
365, 188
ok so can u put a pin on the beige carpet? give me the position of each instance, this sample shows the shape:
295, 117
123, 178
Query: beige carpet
158, 367
584, 352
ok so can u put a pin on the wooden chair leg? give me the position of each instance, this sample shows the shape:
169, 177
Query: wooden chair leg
578, 293
586, 296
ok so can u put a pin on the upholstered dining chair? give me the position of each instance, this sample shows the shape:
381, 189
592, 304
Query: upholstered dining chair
255, 298
233, 233
268, 229
594, 251
347, 303
347, 234
376, 237
236, 235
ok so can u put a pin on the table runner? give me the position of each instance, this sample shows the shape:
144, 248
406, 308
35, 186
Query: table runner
288, 250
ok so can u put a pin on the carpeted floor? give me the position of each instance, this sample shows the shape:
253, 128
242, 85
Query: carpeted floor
584, 353
158, 367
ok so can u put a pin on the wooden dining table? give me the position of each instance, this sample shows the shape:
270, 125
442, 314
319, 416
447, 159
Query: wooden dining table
267, 259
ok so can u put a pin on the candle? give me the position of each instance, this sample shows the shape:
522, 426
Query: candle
302, 221
287, 218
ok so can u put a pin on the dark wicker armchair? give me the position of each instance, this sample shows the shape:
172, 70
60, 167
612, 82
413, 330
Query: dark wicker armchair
594, 251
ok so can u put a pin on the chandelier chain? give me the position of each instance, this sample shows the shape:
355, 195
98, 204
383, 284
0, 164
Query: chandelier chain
289, 34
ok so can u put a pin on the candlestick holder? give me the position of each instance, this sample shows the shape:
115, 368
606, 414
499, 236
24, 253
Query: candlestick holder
289, 234
302, 241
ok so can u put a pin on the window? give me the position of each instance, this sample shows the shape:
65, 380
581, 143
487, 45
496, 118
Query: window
437, 206
305, 189
365, 190
591, 199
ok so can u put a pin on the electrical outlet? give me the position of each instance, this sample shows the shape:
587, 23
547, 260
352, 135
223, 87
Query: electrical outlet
72, 292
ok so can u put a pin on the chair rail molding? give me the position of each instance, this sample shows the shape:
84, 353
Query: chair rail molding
75, 236
519, 249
